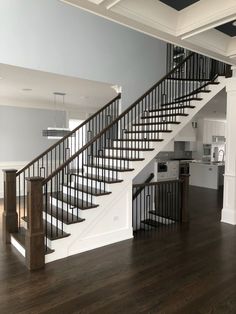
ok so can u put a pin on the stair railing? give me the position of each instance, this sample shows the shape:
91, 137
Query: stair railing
111, 151
56, 155
160, 204
138, 191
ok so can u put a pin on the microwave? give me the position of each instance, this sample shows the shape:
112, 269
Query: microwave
207, 150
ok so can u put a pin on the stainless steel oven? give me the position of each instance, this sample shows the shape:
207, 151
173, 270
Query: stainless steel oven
162, 167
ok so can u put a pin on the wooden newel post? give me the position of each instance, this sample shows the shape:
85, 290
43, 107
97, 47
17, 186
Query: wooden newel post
185, 197
10, 217
34, 240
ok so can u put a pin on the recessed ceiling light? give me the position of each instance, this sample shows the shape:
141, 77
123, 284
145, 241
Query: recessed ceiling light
234, 23
27, 89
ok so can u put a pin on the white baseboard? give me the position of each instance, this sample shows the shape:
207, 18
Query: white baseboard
17, 245
93, 242
228, 216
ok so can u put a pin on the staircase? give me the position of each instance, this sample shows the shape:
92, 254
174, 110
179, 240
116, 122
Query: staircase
85, 180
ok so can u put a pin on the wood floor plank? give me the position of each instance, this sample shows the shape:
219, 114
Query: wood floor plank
181, 269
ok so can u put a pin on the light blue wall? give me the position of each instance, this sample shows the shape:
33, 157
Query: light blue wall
21, 132
52, 36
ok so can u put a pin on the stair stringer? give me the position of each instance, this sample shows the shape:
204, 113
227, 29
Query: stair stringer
111, 222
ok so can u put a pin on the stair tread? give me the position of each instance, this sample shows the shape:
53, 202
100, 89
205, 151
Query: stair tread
72, 201
62, 215
130, 149
161, 214
151, 223
120, 158
100, 178
54, 233
140, 140
172, 108
156, 123
119, 169
180, 101
89, 190
149, 131
195, 92
167, 115
20, 238
213, 83
188, 79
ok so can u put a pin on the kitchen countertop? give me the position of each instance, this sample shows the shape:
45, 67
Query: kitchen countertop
208, 163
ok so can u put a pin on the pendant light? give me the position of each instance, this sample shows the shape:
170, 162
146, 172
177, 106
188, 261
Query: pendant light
56, 132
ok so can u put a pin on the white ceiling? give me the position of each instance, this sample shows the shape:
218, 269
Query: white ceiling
192, 27
82, 95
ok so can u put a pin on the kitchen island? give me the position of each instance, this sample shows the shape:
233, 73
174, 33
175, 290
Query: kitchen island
206, 174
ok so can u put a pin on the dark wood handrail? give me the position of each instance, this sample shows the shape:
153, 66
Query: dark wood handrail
54, 173
146, 182
115, 121
154, 183
68, 135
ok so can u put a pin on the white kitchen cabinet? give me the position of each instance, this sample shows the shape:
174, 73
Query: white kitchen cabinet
206, 175
170, 147
187, 134
212, 128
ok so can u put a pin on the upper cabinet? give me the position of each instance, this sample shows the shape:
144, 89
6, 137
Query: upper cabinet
187, 134
212, 128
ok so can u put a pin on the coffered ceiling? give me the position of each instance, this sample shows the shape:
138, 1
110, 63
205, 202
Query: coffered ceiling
179, 4
204, 26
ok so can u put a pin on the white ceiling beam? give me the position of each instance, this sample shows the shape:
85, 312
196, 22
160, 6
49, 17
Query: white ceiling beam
98, 2
231, 52
204, 15
111, 3
159, 23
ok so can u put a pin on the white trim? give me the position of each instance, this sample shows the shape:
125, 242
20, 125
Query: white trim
228, 216
18, 246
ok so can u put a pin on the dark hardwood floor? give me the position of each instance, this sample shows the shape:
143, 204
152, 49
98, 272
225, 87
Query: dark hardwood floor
189, 269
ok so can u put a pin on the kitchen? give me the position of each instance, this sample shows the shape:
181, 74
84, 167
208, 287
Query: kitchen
198, 150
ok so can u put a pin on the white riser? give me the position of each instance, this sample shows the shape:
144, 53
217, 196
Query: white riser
154, 127
161, 219
93, 183
124, 153
63, 206
48, 218
138, 144
162, 119
157, 135
24, 225
54, 221
81, 195
113, 162
102, 172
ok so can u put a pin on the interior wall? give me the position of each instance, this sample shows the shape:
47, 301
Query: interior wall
55, 37
21, 132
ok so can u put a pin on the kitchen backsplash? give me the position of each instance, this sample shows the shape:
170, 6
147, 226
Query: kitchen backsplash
178, 153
